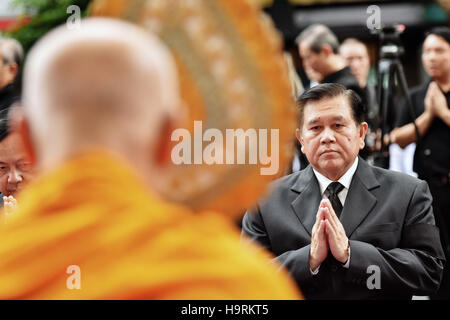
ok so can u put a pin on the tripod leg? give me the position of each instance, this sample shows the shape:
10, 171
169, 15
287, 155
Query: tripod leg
384, 88
401, 74
388, 82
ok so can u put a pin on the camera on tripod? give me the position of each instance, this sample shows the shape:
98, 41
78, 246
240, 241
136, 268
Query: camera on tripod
390, 73
390, 43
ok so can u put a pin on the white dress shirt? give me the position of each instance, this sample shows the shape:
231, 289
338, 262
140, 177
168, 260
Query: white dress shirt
345, 180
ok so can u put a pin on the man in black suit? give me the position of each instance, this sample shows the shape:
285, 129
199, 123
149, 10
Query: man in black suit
11, 57
318, 47
344, 229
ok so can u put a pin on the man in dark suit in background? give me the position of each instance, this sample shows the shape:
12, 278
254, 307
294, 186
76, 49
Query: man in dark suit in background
344, 229
318, 47
11, 58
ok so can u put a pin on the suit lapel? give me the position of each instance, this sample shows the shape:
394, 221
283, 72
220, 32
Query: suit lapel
306, 204
360, 200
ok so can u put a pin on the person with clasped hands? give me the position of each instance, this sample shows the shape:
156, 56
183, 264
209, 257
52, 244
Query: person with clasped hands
430, 111
339, 218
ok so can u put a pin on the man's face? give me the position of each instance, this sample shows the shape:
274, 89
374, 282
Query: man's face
330, 137
15, 167
357, 58
436, 57
311, 59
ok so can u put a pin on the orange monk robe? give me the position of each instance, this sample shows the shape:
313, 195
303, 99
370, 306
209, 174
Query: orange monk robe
94, 213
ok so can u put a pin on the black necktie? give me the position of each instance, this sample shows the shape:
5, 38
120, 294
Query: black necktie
333, 189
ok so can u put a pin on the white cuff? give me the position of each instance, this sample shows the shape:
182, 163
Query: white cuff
347, 264
315, 271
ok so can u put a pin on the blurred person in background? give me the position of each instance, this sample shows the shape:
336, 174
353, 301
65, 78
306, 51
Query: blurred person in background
319, 49
313, 76
431, 102
15, 166
357, 58
11, 54
100, 105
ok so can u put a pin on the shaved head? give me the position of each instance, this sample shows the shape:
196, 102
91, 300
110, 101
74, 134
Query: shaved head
109, 84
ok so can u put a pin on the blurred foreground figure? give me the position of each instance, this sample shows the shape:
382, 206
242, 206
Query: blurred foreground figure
99, 101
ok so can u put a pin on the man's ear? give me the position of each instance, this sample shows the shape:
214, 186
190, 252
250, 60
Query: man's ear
19, 124
327, 50
164, 144
299, 137
362, 134
13, 69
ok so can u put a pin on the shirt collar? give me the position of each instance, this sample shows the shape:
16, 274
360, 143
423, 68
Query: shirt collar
345, 180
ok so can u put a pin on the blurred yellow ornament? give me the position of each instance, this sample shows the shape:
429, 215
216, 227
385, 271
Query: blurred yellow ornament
232, 76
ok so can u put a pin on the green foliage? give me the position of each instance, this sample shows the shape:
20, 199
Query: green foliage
46, 15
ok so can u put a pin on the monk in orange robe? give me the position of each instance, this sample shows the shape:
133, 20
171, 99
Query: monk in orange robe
99, 105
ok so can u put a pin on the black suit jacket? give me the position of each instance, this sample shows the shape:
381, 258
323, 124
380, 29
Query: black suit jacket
8, 96
388, 219
348, 80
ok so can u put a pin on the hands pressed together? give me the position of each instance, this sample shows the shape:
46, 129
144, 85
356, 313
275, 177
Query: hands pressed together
435, 102
9, 204
328, 234
435, 107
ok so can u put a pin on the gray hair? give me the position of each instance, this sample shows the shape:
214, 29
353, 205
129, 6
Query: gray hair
318, 35
11, 51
